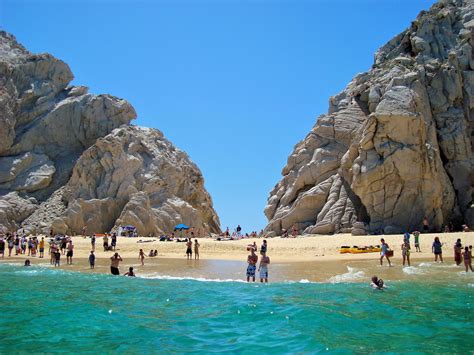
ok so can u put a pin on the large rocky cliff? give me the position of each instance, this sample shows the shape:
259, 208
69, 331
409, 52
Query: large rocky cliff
69, 158
397, 142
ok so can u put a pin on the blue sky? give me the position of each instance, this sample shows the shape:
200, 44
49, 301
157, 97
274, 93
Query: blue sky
236, 84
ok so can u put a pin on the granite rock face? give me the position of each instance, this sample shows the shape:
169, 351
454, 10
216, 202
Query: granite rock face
49, 132
135, 176
396, 144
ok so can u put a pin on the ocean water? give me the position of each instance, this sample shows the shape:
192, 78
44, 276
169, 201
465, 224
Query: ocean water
48, 310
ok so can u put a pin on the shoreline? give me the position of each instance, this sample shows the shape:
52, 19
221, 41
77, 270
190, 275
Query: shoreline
312, 258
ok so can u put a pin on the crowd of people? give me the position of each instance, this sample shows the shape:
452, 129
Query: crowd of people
62, 245
460, 253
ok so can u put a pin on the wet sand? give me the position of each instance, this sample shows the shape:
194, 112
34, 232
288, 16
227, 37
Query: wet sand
333, 271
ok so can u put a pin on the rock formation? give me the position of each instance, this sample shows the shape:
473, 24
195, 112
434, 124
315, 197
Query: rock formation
396, 144
69, 158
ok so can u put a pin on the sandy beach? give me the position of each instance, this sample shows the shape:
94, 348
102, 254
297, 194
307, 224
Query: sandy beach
315, 258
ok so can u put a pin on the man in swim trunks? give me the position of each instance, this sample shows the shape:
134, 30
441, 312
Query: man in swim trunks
263, 267
189, 250
114, 264
252, 260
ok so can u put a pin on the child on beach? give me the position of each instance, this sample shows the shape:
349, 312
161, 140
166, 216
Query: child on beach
141, 256
196, 249
467, 256
417, 241
437, 249
92, 259
383, 252
263, 267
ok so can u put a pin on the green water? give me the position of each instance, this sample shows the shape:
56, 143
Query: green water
47, 310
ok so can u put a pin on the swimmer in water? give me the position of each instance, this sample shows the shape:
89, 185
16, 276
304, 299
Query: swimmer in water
130, 272
377, 283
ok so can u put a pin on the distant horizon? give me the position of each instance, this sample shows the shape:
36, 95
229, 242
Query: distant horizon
236, 85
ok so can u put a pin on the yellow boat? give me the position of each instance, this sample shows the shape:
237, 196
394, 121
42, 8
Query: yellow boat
359, 250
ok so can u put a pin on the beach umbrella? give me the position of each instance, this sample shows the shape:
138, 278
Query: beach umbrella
180, 227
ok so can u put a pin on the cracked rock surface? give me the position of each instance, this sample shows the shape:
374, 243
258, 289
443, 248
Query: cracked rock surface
69, 158
397, 142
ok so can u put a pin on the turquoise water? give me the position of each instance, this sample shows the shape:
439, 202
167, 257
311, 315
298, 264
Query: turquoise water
47, 310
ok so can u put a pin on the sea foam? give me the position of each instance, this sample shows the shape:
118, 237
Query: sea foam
350, 275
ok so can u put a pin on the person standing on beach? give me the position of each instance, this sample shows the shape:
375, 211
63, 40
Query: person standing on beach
57, 258
10, 245
92, 259
63, 245
383, 253
141, 257
263, 248
114, 264
437, 249
41, 248
52, 253
467, 259
70, 252
93, 242
406, 252
196, 249
17, 245
23, 243
252, 260
106, 242
189, 250
417, 241
30, 246
263, 267
114, 241
458, 252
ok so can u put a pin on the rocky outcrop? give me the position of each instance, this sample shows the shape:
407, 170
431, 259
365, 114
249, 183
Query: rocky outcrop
49, 132
135, 176
396, 144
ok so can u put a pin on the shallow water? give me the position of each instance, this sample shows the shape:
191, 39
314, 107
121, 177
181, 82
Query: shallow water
48, 310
